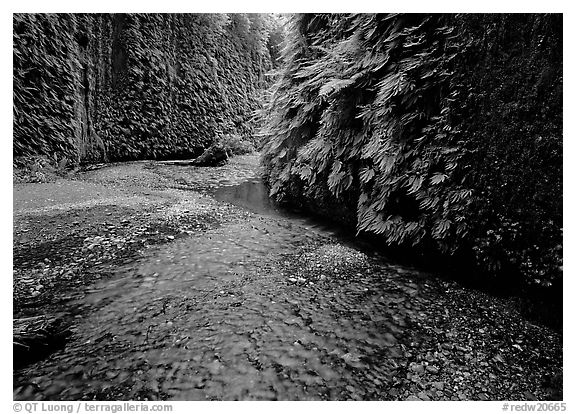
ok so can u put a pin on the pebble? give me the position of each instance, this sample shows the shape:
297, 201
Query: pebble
433, 369
417, 368
340, 320
438, 385
423, 396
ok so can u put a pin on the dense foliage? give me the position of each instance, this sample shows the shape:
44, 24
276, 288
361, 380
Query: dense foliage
129, 86
442, 132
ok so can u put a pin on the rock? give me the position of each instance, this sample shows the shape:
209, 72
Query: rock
438, 385
417, 368
529, 396
498, 358
413, 398
433, 369
423, 396
351, 358
216, 155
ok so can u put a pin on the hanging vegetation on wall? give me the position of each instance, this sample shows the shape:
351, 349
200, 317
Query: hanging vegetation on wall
133, 86
441, 132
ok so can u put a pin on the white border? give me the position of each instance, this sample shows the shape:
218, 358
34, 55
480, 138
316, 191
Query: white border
437, 6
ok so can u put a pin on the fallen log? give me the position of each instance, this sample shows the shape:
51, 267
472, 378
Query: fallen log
37, 336
214, 156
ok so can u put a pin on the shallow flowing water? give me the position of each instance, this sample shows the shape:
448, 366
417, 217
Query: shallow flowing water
266, 305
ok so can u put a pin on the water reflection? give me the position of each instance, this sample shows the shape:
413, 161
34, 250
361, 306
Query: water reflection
251, 195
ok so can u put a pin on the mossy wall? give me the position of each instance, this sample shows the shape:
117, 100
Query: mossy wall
97, 87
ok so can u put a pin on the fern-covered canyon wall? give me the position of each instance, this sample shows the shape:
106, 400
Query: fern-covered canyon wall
441, 132
104, 87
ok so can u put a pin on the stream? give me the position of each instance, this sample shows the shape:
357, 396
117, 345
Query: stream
263, 305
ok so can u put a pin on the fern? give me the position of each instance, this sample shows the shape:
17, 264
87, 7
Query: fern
377, 115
